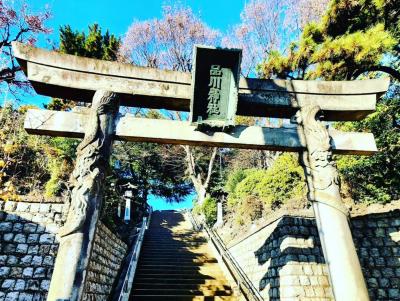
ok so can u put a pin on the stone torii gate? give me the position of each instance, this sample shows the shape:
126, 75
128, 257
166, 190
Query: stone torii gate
109, 84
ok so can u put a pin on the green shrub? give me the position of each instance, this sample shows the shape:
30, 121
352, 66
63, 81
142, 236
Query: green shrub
197, 209
375, 179
234, 178
274, 186
209, 209
283, 181
53, 187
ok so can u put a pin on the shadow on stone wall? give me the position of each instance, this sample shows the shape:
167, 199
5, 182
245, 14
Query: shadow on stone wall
294, 262
377, 239
28, 248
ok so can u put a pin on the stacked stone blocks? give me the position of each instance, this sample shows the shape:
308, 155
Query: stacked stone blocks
284, 259
377, 238
107, 255
28, 248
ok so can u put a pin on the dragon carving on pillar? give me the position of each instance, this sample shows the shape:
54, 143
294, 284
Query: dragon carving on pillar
321, 172
92, 162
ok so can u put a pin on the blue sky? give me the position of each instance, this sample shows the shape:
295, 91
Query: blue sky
159, 204
117, 15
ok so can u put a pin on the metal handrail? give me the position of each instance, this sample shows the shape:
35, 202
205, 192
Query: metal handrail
243, 282
130, 274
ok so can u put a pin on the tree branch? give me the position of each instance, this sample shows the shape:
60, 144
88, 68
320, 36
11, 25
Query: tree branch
393, 72
210, 167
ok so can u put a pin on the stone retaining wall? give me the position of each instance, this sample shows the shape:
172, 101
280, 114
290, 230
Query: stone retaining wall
284, 259
28, 247
377, 238
107, 255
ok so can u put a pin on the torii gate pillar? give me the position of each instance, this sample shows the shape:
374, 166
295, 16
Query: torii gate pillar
331, 215
77, 235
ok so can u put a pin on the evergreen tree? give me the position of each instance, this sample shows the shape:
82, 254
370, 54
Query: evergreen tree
354, 37
94, 44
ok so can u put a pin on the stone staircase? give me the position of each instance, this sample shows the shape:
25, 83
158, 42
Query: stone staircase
177, 264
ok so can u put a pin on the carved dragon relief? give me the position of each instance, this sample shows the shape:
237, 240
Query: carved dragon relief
321, 172
92, 160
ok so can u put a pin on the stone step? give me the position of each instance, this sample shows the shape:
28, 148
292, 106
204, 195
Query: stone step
174, 292
152, 231
172, 254
175, 253
179, 277
181, 298
182, 248
171, 249
175, 237
177, 264
169, 243
213, 284
178, 267
214, 271
167, 281
174, 261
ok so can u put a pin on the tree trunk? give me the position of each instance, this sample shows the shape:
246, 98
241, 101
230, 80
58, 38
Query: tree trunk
201, 186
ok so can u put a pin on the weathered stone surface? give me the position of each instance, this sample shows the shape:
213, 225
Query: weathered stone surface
20, 255
20, 238
40, 273
30, 227
20, 285
16, 272
5, 226
21, 248
128, 128
13, 296
70, 77
27, 272
8, 236
78, 233
25, 297
46, 238
108, 253
12, 259
8, 284
26, 275
4, 271
263, 256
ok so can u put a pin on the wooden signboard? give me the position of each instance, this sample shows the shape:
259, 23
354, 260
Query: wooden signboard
215, 86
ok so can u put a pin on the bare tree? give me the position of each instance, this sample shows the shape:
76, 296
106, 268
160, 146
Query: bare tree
167, 43
270, 25
17, 23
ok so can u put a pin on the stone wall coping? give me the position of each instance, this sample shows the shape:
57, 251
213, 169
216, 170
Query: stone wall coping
362, 210
13, 204
272, 218
356, 211
33, 207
